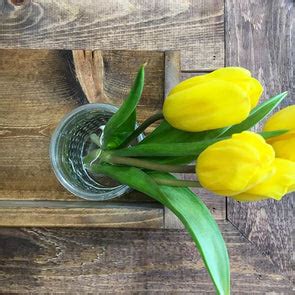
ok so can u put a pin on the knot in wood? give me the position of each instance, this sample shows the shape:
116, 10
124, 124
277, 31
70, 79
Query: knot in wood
19, 2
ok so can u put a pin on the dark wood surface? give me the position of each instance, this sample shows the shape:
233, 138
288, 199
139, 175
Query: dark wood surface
37, 88
130, 261
106, 77
196, 27
32, 102
260, 36
81, 214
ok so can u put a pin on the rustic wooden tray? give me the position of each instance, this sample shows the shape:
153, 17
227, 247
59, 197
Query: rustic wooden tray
38, 87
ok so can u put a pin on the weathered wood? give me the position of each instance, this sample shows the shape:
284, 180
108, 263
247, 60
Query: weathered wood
46, 90
80, 261
260, 37
89, 69
84, 215
37, 88
172, 70
106, 77
35, 98
195, 27
93, 71
216, 204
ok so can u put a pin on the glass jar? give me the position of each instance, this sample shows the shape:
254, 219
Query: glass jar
70, 142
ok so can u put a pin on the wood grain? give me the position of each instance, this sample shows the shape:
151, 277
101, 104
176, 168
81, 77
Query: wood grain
46, 90
34, 99
195, 27
260, 37
89, 69
37, 88
126, 261
106, 77
102, 215
93, 71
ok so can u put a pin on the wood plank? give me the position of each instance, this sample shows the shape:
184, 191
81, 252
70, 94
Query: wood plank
260, 37
36, 91
37, 88
195, 27
106, 77
79, 214
216, 204
126, 261
35, 98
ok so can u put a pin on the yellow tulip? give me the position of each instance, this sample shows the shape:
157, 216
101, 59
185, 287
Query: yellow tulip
284, 145
215, 100
276, 186
232, 166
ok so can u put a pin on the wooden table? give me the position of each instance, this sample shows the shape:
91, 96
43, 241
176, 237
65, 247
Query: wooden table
258, 35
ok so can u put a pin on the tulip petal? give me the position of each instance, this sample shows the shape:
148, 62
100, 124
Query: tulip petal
255, 91
283, 119
234, 165
188, 83
276, 186
241, 77
266, 153
247, 197
284, 145
210, 105
231, 73
227, 73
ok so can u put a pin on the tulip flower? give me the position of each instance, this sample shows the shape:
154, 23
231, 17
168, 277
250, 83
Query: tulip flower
284, 145
215, 100
276, 186
235, 165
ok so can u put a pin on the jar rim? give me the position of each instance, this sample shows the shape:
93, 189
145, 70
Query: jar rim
53, 147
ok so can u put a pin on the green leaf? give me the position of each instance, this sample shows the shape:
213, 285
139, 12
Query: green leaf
165, 133
166, 149
122, 132
122, 123
257, 114
189, 209
270, 134
173, 160
178, 153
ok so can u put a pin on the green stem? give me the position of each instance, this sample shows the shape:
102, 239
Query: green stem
177, 182
95, 139
140, 129
108, 157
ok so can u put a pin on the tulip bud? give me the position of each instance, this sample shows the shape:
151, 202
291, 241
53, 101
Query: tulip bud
232, 166
284, 145
276, 186
215, 100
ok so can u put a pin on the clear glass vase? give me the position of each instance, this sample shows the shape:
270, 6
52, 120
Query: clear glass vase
71, 142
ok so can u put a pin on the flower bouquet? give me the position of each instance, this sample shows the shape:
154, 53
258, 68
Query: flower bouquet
203, 130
